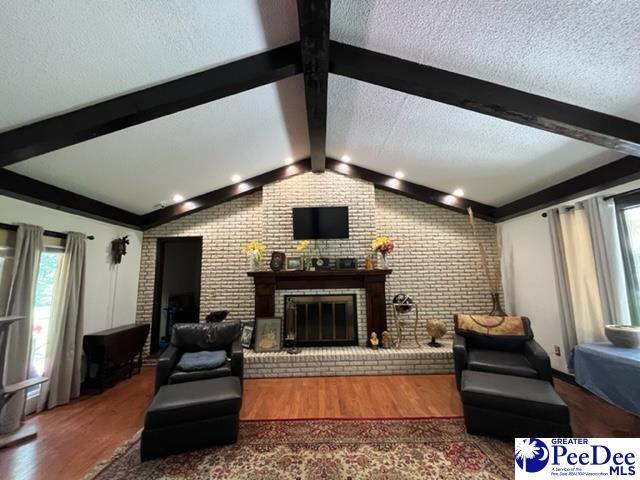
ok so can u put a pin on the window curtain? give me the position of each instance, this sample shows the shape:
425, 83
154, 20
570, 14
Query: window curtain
603, 227
581, 271
589, 271
29, 244
64, 345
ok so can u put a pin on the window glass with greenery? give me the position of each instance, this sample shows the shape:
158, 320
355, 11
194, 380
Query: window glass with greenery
628, 207
42, 308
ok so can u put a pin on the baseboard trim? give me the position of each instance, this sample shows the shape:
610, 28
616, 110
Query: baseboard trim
565, 377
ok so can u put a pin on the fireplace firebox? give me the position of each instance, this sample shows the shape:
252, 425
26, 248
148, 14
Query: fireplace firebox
322, 320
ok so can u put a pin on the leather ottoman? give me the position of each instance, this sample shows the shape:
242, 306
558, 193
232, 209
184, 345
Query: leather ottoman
192, 415
508, 406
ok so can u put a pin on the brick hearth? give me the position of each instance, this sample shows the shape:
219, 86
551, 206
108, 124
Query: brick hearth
333, 361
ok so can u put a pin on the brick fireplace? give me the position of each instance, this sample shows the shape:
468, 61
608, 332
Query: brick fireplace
324, 282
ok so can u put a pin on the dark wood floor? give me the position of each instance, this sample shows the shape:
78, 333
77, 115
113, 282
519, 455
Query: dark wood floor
73, 438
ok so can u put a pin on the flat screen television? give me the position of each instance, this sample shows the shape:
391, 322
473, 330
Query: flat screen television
320, 223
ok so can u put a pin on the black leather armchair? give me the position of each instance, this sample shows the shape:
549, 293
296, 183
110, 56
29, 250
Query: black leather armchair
195, 337
521, 359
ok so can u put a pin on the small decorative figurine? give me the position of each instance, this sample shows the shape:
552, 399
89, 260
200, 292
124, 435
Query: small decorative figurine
436, 329
374, 340
119, 248
368, 263
386, 340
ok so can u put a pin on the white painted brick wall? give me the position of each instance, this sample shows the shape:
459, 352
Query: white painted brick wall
333, 361
225, 229
328, 189
436, 260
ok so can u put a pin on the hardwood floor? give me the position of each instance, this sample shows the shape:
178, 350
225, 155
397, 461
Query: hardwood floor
351, 397
73, 438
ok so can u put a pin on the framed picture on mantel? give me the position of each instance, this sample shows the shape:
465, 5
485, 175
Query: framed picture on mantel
294, 263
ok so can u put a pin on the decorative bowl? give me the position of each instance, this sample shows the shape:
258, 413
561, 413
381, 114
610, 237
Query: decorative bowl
624, 336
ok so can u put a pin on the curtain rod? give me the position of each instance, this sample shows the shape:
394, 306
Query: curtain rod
48, 233
617, 195
623, 194
569, 207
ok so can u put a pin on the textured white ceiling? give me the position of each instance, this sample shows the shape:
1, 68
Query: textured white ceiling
59, 55
578, 51
190, 152
444, 147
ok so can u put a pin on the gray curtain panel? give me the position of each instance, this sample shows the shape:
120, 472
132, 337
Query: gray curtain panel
608, 257
20, 302
567, 321
64, 348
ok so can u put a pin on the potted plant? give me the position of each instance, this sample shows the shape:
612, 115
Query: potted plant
254, 251
303, 248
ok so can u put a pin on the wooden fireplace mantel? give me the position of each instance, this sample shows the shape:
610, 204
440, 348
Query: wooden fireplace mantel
372, 281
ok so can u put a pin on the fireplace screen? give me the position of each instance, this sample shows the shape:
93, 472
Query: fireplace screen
321, 320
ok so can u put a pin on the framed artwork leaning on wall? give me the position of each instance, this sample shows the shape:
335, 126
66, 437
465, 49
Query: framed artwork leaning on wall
268, 334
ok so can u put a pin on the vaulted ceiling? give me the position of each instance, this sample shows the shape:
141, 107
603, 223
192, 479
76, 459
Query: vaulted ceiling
63, 55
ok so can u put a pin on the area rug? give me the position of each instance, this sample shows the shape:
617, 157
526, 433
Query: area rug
399, 449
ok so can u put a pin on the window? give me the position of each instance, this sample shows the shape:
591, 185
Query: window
628, 207
42, 308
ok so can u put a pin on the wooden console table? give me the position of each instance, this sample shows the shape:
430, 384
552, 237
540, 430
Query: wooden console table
372, 281
115, 347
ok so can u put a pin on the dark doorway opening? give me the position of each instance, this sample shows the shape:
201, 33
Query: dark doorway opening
177, 287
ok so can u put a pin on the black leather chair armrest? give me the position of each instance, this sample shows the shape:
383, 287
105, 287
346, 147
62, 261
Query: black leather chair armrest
236, 356
166, 364
459, 356
539, 359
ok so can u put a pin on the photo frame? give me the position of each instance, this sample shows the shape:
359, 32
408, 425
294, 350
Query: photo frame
268, 334
277, 261
246, 337
294, 263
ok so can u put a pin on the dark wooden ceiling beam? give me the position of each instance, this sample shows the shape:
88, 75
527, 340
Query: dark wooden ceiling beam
486, 98
412, 190
616, 173
148, 104
225, 194
24, 188
313, 17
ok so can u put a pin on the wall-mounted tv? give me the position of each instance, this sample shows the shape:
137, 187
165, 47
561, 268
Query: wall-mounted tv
320, 223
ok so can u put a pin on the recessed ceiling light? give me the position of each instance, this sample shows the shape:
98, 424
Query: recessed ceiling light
288, 161
458, 192
346, 158
236, 178
399, 174
178, 198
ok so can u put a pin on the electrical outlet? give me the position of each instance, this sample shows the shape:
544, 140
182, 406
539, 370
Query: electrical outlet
556, 350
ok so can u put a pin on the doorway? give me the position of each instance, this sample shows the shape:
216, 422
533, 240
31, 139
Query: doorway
177, 287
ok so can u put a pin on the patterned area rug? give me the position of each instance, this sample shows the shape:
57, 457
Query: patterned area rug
329, 449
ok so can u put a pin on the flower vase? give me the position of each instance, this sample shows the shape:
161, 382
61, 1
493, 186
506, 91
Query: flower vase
497, 310
383, 262
254, 264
